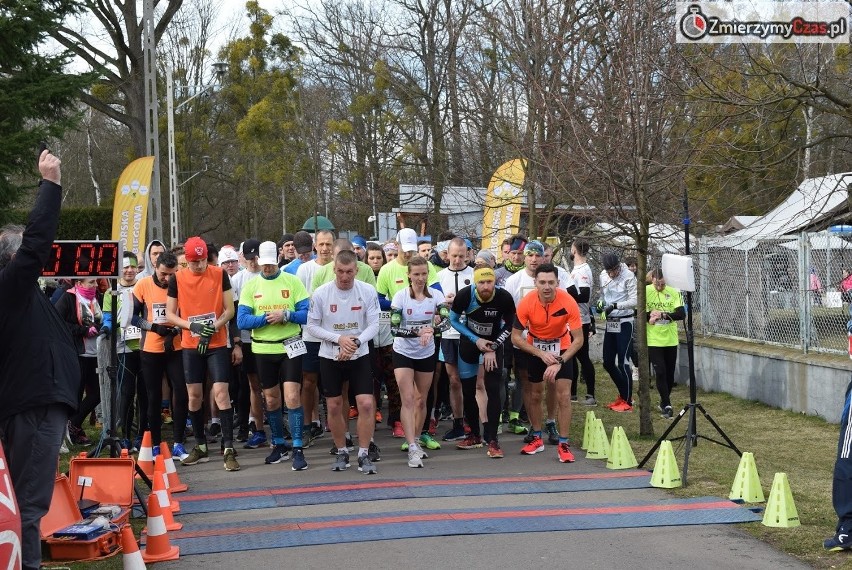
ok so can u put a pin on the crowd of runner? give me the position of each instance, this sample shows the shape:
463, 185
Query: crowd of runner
278, 345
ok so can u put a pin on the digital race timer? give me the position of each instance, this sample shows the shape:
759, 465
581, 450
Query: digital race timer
83, 260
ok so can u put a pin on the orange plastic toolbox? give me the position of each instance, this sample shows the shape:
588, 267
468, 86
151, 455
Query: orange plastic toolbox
64, 512
109, 481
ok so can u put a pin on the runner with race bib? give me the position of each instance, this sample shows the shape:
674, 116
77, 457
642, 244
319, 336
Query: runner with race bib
417, 314
344, 315
272, 306
552, 318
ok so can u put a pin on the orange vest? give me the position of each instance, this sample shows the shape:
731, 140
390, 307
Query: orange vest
153, 298
201, 299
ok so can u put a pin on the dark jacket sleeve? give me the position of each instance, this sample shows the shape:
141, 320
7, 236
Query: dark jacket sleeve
25, 268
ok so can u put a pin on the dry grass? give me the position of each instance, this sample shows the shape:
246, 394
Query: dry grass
802, 446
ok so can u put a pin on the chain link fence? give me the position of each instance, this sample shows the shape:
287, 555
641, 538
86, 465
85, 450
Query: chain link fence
792, 291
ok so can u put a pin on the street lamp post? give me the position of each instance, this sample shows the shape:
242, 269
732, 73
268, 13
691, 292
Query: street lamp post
220, 69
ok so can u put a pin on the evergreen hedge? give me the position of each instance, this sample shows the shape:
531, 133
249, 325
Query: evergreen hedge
75, 223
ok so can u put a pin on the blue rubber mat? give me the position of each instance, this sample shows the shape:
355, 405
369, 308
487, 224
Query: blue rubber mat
283, 533
318, 494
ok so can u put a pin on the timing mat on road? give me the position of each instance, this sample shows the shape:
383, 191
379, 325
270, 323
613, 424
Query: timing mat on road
284, 533
377, 490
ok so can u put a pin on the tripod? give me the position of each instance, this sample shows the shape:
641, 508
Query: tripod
111, 441
692, 435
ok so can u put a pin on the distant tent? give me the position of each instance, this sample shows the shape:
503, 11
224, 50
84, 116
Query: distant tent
315, 223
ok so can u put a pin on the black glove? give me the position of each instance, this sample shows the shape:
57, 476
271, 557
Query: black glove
161, 330
609, 308
203, 342
169, 340
104, 332
202, 329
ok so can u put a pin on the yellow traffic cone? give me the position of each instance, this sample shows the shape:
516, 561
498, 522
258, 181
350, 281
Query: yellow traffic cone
587, 429
746, 485
780, 509
666, 472
599, 447
620, 453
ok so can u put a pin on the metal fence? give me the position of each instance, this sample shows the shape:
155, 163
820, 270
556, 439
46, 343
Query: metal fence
791, 291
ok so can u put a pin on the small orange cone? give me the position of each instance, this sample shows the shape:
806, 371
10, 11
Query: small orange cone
160, 465
145, 459
132, 558
157, 546
162, 495
175, 484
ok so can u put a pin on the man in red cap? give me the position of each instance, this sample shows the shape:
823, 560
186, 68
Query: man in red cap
200, 302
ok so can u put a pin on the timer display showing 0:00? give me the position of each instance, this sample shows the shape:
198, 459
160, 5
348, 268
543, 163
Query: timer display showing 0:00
82, 259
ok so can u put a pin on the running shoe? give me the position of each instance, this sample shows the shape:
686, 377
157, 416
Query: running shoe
574, 398
350, 446
214, 432
231, 460
516, 427
378, 417
667, 413
179, 451
167, 416
455, 434
414, 458
242, 434
470, 442
533, 447
494, 451
838, 542
256, 440
196, 456
552, 433
279, 453
299, 462
353, 412
366, 466
590, 401
433, 427
316, 431
618, 401
429, 442
564, 453
404, 446
341, 462
374, 453
397, 430
622, 407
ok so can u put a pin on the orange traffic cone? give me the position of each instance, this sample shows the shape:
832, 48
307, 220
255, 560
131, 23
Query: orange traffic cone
160, 465
163, 497
157, 546
145, 459
132, 558
175, 484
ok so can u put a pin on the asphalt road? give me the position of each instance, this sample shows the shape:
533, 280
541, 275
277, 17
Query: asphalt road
688, 546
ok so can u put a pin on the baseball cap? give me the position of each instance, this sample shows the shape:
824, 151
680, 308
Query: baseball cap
195, 249
250, 248
303, 242
407, 239
268, 253
228, 254
359, 241
610, 261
